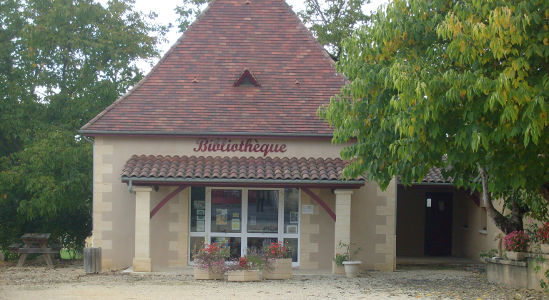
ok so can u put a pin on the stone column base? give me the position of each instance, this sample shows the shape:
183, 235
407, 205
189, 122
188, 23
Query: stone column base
337, 269
142, 265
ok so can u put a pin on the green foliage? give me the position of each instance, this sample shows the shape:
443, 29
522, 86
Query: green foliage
488, 254
330, 21
340, 258
189, 11
454, 85
348, 252
61, 63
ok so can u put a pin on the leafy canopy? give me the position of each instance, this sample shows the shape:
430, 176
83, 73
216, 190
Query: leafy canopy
61, 63
444, 83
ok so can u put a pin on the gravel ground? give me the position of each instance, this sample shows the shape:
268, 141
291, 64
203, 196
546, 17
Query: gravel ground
70, 282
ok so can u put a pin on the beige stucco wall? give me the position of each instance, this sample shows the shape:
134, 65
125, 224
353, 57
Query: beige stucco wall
372, 217
468, 239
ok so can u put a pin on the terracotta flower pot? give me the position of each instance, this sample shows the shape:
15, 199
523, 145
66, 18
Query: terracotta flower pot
280, 268
512, 255
206, 274
544, 248
243, 275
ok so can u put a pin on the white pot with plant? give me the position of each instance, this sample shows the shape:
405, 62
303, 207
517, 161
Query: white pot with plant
345, 259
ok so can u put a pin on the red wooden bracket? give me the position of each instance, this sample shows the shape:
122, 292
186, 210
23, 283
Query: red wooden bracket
166, 199
321, 202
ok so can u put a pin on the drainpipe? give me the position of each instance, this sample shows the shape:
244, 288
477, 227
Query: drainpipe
130, 187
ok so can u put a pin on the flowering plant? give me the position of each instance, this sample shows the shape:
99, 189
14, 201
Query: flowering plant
211, 257
248, 262
542, 233
516, 241
277, 250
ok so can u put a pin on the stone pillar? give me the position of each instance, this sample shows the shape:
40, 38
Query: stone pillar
343, 222
142, 256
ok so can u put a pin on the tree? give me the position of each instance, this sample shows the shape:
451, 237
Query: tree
330, 21
461, 86
61, 63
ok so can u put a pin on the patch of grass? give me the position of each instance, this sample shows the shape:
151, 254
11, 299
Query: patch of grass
70, 254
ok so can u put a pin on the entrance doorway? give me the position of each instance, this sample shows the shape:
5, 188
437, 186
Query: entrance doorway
438, 224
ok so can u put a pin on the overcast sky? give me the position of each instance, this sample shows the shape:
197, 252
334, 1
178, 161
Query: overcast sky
166, 14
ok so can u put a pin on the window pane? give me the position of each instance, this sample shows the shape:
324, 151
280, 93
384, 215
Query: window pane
198, 209
226, 210
197, 242
263, 211
232, 242
257, 244
291, 211
292, 244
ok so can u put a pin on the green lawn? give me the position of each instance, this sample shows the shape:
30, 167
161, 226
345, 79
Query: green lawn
70, 254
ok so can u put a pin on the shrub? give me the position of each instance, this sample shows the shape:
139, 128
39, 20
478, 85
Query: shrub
277, 250
212, 257
248, 262
542, 234
516, 241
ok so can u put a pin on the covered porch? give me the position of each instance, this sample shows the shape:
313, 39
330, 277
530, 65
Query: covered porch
184, 201
438, 222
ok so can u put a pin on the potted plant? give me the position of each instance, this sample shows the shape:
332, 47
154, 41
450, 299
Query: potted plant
209, 262
246, 269
516, 244
345, 259
278, 261
542, 235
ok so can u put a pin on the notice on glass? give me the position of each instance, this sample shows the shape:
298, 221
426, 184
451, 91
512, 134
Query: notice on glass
235, 224
199, 226
294, 217
221, 216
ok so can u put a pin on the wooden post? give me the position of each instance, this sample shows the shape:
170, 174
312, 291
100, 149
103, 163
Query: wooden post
92, 260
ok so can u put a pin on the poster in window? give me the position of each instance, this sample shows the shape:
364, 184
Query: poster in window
294, 217
200, 212
200, 218
221, 216
291, 228
235, 224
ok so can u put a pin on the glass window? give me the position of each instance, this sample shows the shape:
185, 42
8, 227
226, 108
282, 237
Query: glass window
262, 211
198, 209
232, 242
226, 210
257, 244
197, 242
291, 211
292, 244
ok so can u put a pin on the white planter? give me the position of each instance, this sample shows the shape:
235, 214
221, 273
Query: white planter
278, 269
351, 268
243, 275
512, 255
204, 274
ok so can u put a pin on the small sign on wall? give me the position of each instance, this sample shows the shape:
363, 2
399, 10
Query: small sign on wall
307, 209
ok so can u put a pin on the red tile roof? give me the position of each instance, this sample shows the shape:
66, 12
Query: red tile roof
191, 91
230, 169
435, 176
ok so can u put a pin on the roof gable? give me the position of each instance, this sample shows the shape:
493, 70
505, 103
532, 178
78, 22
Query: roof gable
192, 91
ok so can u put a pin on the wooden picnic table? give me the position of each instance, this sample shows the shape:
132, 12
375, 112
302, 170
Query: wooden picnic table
35, 243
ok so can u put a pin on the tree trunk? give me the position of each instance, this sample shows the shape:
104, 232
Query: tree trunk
507, 225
